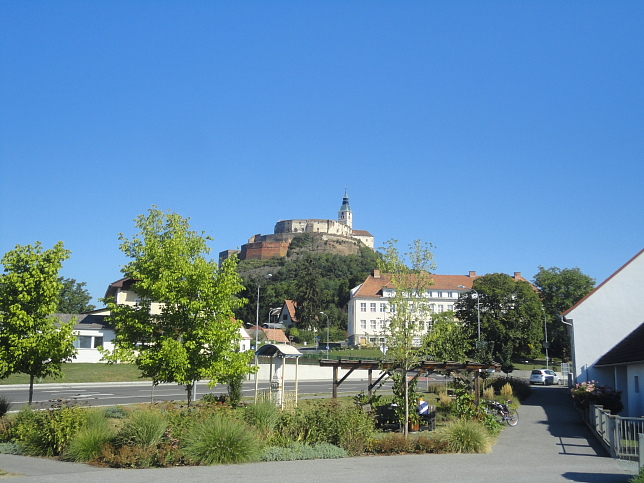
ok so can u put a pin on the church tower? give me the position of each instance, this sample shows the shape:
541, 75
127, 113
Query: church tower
345, 217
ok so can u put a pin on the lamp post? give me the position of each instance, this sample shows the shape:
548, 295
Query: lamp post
268, 275
327, 334
478, 312
545, 331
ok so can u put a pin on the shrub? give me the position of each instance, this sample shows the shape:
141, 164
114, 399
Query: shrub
592, 392
47, 433
639, 478
488, 393
144, 428
114, 412
5, 405
391, 443
88, 442
506, 391
221, 440
263, 416
302, 451
10, 448
520, 389
465, 436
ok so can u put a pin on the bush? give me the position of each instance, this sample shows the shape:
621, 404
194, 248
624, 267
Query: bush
5, 405
219, 439
302, 451
592, 392
114, 412
263, 416
520, 389
466, 436
144, 428
639, 478
88, 442
10, 448
47, 433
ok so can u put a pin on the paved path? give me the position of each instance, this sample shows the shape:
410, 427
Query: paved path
550, 444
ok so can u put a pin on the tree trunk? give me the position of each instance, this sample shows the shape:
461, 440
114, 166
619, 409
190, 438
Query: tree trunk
31, 388
189, 391
406, 391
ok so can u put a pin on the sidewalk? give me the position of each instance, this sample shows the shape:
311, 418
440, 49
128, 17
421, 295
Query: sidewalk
550, 444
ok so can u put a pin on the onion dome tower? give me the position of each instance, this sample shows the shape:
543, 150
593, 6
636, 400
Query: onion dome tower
345, 216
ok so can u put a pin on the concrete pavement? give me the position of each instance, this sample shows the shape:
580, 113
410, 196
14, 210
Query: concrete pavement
550, 444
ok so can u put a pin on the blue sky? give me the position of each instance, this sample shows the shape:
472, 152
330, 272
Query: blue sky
508, 134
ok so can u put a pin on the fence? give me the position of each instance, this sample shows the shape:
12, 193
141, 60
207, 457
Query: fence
620, 435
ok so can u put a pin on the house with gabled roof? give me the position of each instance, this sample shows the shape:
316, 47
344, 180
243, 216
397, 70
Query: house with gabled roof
369, 302
607, 334
288, 314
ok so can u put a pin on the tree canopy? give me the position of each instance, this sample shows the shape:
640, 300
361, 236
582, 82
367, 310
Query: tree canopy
511, 315
73, 297
193, 335
559, 290
30, 341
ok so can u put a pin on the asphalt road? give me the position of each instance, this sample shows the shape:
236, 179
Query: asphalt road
121, 393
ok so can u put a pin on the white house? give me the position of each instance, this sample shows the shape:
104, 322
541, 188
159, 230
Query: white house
93, 331
369, 304
607, 334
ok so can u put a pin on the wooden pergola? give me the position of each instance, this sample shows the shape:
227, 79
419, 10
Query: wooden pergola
386, 368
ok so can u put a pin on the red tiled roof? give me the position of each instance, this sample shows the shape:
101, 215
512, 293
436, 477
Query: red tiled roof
291, 307
277, 335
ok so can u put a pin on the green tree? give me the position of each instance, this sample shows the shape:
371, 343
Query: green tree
30, 341
73, 297
448, 339
510, 313
312, 295
408, 309
559, 290
193, 335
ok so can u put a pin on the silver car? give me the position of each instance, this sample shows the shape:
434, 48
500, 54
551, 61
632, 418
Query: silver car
544, 376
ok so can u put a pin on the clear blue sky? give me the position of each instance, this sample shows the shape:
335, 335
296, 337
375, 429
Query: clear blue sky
509, 134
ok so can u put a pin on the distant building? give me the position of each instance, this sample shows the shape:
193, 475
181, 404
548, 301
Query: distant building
368, 306
264, 247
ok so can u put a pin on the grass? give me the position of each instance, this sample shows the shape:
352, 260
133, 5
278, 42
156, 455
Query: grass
86, 372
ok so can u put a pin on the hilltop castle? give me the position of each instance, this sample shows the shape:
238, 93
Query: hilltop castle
263, 247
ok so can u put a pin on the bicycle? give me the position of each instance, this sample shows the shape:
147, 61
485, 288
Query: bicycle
502, 412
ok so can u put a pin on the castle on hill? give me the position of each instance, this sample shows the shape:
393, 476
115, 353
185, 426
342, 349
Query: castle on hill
264, 247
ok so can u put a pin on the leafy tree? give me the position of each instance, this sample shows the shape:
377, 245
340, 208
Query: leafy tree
510, 313
560, 289
311, 297
407, 308
193, 335
30, 341
73, 297
448, 340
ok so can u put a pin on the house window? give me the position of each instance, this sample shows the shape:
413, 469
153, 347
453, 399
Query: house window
450, 307
432, 309
415, 342
383, 324
372, 307
421, 325
637, 384
373, 324
382, 307
450, 295
363, 306
440, 308
88, 342
363, 324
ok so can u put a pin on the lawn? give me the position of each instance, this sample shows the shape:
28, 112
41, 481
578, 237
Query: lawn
79, 372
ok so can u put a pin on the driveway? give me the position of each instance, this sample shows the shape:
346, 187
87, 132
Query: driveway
550, 444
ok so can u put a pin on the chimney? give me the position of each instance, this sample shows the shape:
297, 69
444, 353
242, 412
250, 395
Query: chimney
376, 273
472, 274
517, 275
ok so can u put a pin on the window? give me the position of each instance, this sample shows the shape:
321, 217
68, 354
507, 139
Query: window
450, 295
383, 324
421, 325
432, 309
373, 324
440, 308
372, 307
382, 307
415, 342
88, 342
363, 324
450, 307
363, 306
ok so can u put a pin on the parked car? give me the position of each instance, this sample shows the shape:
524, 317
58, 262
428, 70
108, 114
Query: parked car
544, 376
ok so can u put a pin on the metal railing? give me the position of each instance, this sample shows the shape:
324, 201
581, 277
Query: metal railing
621, 435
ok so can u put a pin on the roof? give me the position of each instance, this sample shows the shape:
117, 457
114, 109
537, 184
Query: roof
629, 350
277, 335
283, 350
361, 233
603, 283
373, 285
124, 283
291, 307
84, 321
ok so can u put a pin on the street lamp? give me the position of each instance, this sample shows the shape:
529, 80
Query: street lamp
268, 275
327, 334
545, 331
478, 311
